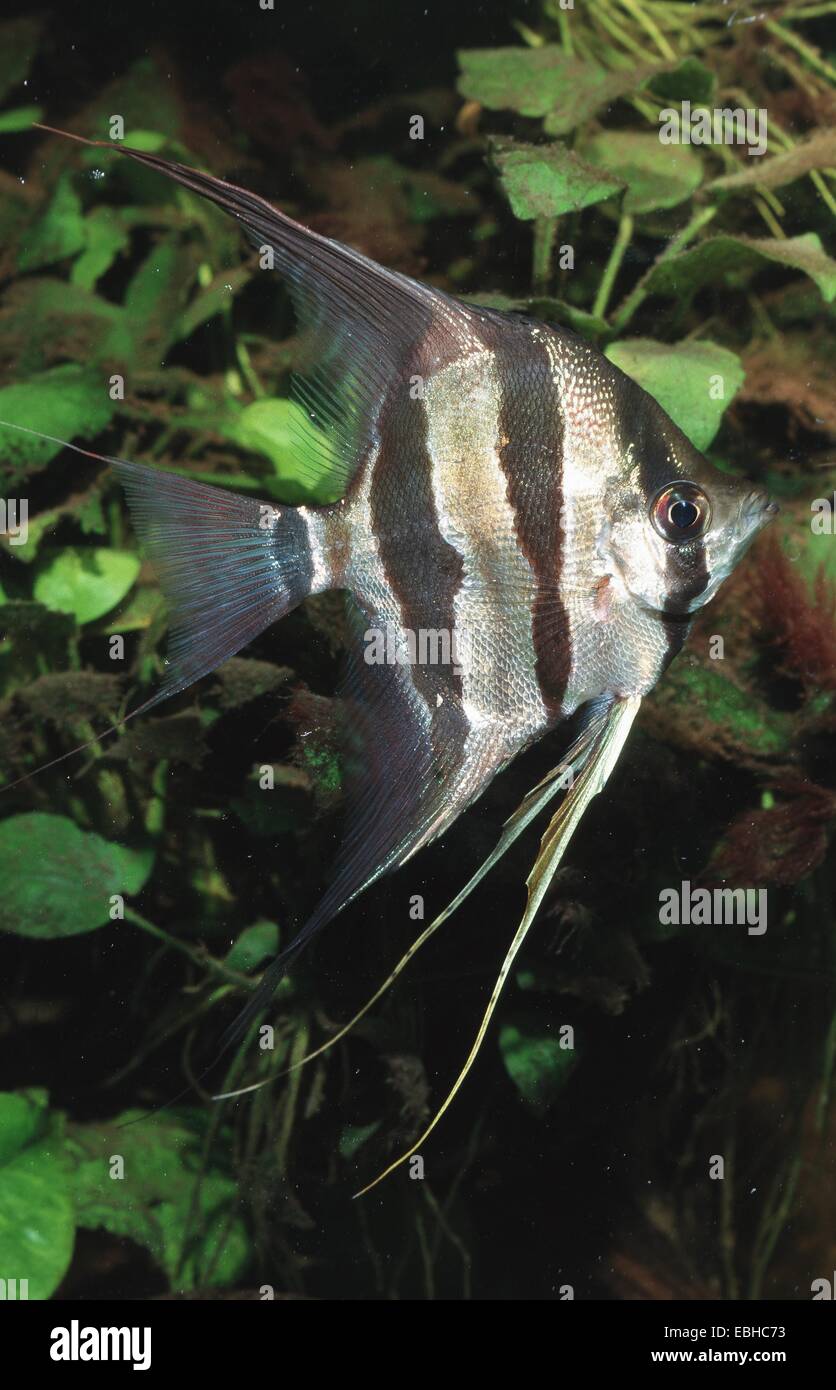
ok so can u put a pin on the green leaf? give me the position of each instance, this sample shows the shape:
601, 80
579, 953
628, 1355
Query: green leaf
85, 509
137, 612
59, 233
22, 1120
242, 679
155, 296
86, 581
354, 1136
164, 1172
40, 312
544, 82
149, 141
57, 880
255, 944
534, 1059
37, 1226
692, 381
215, 299
282, 431
549, 180
37, 1223
657, 176
20, 118
105, 237
68, 402
730, 261
690, 81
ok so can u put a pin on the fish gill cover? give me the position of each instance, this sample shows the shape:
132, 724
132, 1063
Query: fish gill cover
563, 162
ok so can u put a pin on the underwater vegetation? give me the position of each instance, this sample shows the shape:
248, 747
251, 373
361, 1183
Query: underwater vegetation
634, 1057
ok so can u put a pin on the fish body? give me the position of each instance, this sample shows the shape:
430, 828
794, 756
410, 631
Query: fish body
499, 506
509, 494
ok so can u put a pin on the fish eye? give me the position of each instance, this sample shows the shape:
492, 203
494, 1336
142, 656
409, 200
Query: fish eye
681, 512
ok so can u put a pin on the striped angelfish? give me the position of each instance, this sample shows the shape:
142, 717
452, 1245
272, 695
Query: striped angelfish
523, 533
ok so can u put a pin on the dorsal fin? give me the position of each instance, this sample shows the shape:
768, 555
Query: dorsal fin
361, 321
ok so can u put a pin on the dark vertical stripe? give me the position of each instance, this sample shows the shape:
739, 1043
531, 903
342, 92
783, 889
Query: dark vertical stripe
423, 570
292, 547
686, 577
663, 454
642, 422
531, 435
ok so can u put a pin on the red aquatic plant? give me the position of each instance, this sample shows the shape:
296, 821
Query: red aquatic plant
803, 622
779, 844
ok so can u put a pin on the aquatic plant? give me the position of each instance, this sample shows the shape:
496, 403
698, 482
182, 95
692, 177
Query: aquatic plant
143, 888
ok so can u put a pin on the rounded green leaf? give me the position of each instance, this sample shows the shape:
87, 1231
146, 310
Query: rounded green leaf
22, 1116
693, 382
535, 1060
186, 1211
282, 431
65, 402
657, 175
86, 581
20, 118
546, 82
690, 81
354, 1136
57, 880
37, 1222
255, 945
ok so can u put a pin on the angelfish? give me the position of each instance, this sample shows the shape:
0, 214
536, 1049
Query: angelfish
504, 484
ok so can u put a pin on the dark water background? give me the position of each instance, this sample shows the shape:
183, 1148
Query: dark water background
685, 1051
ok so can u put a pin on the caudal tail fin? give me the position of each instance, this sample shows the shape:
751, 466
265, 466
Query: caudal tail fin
229, 566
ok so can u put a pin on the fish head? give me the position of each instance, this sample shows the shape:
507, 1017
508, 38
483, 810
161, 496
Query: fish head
676, 526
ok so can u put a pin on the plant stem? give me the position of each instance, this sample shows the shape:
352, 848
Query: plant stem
565, 33
651, 29
611, 269
804, 50
545, 236
811, 12
768, 216
639, 292
200, 958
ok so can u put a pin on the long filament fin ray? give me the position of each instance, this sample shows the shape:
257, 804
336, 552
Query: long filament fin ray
603, 756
